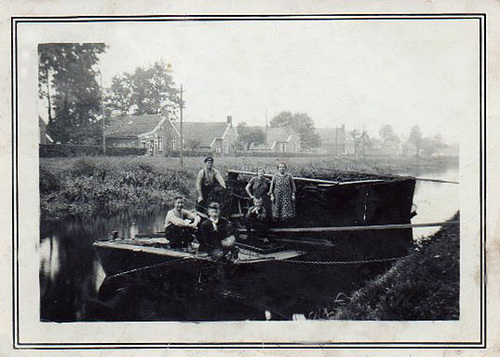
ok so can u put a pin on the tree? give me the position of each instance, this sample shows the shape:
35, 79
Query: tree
432, 144
248, 135
69, 71
387, 133
415, 139
146, 91
300, 123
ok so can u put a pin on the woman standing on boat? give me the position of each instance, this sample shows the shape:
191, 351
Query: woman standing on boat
258, 187
282, 193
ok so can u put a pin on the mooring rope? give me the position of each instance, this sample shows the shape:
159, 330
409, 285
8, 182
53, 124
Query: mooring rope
182, 260
347, 262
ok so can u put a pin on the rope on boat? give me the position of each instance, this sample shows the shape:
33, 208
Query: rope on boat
348, 262
182, 260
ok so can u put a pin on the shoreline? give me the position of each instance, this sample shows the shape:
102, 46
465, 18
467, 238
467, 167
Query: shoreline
86, 187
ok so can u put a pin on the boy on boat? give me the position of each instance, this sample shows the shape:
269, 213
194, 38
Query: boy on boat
256, 219
180, 225
217, 236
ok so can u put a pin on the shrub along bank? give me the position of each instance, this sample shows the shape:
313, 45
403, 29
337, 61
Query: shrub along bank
100, 186
423, 286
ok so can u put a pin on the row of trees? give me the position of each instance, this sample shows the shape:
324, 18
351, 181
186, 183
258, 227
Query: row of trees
67, 79
70, 82
415, 144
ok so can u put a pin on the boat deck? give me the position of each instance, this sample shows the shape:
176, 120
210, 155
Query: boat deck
159, 247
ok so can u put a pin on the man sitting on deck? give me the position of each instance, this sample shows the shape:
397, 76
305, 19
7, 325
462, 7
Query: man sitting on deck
217, 236
180, 224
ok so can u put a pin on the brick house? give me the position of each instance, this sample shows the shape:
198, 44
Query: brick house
154, 132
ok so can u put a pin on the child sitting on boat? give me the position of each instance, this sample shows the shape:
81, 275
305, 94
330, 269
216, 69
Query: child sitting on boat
180, 225
256, 219
217, 236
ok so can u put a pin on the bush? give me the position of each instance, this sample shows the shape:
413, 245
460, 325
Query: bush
423, 286
60, 150
99, 186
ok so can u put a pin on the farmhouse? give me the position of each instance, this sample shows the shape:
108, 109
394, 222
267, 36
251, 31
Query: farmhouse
154, 132
278, 140
337, 141
216, 137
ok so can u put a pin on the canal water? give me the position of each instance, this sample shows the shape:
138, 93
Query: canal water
71, 278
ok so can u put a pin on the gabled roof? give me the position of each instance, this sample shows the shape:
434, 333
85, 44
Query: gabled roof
279, 135
274, 135
203, 132
132, 126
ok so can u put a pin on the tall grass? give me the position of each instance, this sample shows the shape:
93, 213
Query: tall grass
423, 286
88, 186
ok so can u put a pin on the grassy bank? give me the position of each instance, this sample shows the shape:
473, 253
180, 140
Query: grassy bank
88, 186
423, 286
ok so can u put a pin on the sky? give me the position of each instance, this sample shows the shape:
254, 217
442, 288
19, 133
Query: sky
357, 73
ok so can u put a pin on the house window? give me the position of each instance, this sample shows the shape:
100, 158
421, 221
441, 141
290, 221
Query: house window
226, 146
173, 143
218, 149
160, 143
143, 143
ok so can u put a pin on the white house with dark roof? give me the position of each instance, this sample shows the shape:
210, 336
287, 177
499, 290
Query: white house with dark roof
216, 137
154, 132
278, 140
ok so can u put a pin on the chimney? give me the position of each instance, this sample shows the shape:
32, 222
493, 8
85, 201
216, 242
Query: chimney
230, 119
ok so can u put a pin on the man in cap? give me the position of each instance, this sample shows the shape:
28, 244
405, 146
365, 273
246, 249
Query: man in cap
180, 224
217, 236
207, 181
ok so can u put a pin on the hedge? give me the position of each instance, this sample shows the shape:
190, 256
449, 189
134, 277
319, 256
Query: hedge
62, 150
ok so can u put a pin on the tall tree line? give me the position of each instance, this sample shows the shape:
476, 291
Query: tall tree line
67, 79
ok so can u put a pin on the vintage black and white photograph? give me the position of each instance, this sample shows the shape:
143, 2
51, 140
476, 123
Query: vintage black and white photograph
259, 170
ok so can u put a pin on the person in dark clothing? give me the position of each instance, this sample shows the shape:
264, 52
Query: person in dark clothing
217, 236
208, 181
258, 187
256, 219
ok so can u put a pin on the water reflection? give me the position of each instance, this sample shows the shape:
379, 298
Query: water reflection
435, 202
70, 274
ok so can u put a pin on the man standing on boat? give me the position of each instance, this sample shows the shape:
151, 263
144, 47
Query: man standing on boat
207, 181
180, 224
217, 236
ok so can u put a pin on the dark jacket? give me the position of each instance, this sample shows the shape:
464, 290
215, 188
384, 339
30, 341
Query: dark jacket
260, 215
210, 238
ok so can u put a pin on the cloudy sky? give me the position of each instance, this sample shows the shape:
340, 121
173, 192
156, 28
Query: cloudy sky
356, 73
